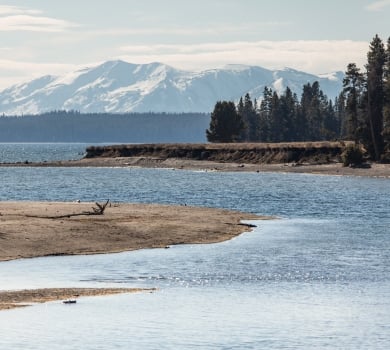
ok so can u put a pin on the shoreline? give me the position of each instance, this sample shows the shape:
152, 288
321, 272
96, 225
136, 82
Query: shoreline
37, 229
28, 297
377, 170
319, 157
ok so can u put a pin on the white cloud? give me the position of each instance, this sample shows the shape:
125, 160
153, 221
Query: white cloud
13, 72
14, 18
14, 10
311, 56
378, 5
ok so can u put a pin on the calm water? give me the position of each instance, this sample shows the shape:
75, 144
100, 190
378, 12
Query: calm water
318, 278
40, 152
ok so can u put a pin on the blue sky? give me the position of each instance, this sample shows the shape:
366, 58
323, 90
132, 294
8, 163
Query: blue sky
53, 37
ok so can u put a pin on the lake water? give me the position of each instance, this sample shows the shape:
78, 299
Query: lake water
317, 278
40, 152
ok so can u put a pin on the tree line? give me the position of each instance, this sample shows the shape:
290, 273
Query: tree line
361, 112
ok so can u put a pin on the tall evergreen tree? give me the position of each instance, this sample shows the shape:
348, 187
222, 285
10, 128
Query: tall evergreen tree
252, 119
331, 125
310, 109
340, 114
265, 115
226, 124
244, 132
287, 116
275, 119
353, 86
375, 95
247, 110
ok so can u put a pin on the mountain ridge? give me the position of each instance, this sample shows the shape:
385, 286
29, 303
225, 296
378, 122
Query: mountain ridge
119, 87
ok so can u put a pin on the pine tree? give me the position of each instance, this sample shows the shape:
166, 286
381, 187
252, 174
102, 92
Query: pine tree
310, 109
275, 119
251, 118
247, 110
287, 116
265, 115
339, 105
331, 125
242, 137
353, 86
375, 95
226, 124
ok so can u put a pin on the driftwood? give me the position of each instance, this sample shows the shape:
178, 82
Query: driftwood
98, 210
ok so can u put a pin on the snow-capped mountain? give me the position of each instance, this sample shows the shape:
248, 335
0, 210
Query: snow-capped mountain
117, 86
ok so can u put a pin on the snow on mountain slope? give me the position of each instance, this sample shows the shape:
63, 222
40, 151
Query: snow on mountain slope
118, 86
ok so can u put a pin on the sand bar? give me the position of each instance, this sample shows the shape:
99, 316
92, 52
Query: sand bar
334, 168
34, 229
20, 298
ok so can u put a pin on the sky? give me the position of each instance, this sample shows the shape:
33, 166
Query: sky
40, 37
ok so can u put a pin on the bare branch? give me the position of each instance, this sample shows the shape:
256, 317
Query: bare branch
95, 211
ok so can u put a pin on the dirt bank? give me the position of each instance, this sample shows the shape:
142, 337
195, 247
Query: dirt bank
251, 153
305, 157
32, 229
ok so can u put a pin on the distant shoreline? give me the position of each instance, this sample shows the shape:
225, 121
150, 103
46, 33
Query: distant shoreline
335, 168
295, 157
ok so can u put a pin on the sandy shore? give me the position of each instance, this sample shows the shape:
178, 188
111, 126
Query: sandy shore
20, 298
33, 229
375, 169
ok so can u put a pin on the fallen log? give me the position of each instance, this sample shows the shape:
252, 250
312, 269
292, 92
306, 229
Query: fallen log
98, 210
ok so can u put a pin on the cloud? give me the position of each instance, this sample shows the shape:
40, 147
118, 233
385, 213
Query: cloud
14, 18
378, 5
14, 72
311, 56
172, 30
14, 10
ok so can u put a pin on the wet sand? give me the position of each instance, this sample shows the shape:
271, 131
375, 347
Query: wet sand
334, 168
374, 169
21, 298
34, 229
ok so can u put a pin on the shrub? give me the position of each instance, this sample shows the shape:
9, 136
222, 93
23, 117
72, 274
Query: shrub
352, 156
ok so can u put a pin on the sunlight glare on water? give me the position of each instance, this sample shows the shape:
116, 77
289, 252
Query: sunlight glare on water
316, 278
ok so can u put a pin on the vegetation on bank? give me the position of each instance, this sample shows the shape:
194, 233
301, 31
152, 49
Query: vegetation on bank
250, 153
361, 112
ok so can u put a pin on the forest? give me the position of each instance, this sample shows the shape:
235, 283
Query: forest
360, 113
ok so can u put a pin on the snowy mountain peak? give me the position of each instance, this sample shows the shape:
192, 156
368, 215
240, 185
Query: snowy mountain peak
118, 86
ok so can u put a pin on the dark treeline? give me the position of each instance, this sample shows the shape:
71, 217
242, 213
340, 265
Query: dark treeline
278, 118
360, 113
72, 126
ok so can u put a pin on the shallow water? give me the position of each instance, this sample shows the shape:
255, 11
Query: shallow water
319, 277
265, 289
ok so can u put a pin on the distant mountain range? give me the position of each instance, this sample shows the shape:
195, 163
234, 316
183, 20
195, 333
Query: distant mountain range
118, 87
